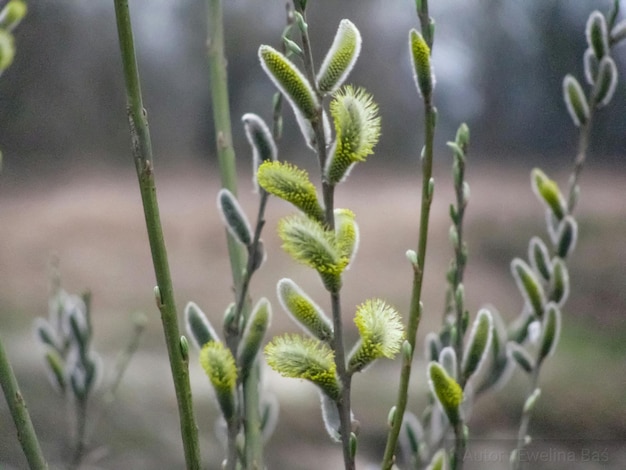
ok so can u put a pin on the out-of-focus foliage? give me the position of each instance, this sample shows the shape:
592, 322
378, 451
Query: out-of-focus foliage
61, 100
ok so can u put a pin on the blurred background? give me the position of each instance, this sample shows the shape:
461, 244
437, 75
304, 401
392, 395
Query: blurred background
68, 189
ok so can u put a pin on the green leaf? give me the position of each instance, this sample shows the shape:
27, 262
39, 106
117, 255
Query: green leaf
340, 59
305, 358
432, 346
411, 436
422, 69
357, 129
447, 358
548, 192
198, 326
520, 356
381, 331
291, 184
592, 65
304, 310
575, 101
219, 365
540, 258
253, 335
233, 217
260, 140
529, 286
566, 236
606, 82
559, 283
478, 343
550, 331
597, 34
448, 392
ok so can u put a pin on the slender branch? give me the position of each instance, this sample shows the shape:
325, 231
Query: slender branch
415, 308
142, 153
17, 406
581, 156
226, 158
525, 420
328, 192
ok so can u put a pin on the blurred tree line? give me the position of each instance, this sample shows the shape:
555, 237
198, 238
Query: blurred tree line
499, 66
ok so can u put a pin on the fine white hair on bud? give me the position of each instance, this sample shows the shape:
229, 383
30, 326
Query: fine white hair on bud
341, 57
575, 100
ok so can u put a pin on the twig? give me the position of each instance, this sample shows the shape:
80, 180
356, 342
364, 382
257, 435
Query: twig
142, 153
415, 309
17, 406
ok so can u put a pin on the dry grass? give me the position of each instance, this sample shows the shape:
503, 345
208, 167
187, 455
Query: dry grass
94, 223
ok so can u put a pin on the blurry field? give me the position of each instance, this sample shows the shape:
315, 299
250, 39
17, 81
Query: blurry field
94, 223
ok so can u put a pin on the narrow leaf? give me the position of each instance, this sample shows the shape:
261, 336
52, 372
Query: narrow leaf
478, 343
253, 335
529, 286
550, 332
575, 100
198, 326
233, 217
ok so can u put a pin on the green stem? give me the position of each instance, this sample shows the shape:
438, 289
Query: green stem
226, 158
581, 156
459, 445
80, 409
17, 406
142, 153
328, 192
415, 308
459, 267
525, 421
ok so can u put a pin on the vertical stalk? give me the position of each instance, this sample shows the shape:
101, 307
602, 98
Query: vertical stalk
226, 158
17, 406
415, 308
142, 153
328, 193
525, 421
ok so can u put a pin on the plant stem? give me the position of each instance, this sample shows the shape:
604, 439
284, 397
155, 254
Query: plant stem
19, 412
328, 192
226, 158
525, 421
142, 153
581, 156
80, 409
415, 308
